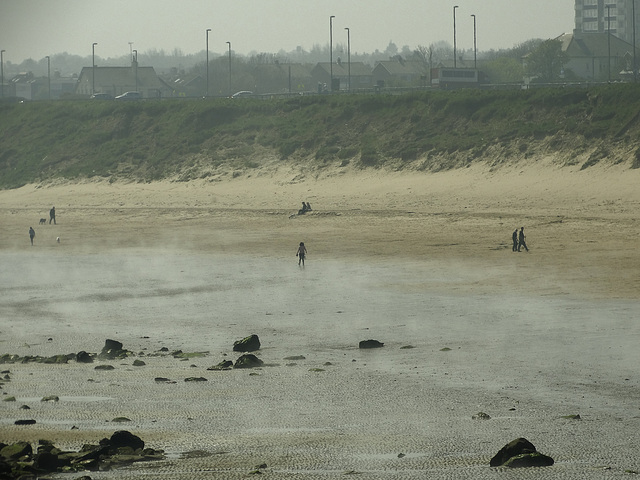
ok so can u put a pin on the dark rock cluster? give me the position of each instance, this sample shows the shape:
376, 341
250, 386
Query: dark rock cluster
19, 459
520, 453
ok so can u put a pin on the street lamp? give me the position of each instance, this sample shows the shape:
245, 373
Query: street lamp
93, 68
455, 55
475, 48
49, 76
229, 43
131, 50
207, 89
135, 67
331, 50
2, 73
609, 41
349, 54
635, 73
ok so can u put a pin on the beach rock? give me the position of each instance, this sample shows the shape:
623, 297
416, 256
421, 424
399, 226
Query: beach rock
18, 460
57, 359
481, 416
121, 420
529, 460
370, 344
25, 422
104, 367
112, 350
247, 344
16, 450
248, 361
138, 363
84, 357
123, 438
45, 461
520, 453
50, 398
195, 379
223, 365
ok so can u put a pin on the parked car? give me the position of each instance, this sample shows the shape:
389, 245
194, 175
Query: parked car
101, 96
242, 93
129, 96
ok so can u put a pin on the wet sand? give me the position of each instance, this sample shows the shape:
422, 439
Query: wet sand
421, 261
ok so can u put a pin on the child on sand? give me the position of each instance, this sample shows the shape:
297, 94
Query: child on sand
301, 253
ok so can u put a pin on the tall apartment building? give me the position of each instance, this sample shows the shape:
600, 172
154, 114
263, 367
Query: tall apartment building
600, 16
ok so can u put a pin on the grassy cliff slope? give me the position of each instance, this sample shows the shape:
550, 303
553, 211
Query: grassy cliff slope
425, 131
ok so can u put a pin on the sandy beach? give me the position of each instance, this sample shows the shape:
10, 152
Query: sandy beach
419, 261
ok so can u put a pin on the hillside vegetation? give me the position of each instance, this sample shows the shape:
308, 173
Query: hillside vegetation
214, 138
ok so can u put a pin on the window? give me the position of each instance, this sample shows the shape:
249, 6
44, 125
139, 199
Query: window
590, 26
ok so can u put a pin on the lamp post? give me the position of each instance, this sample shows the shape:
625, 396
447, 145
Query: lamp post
229, 43
135, 67
331, 51
475, 48
635, 73
2, 73
48, 76
609, 41
93, 68
207, 89
349, 55
131, 50
455, 54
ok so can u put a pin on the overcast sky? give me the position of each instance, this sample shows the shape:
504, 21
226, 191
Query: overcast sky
36, 28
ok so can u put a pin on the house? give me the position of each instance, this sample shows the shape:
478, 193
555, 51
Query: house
400, 73
359, 73
186, 85
590, 55
118, 80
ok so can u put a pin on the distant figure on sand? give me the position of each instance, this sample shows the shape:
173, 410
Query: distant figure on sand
301, 253
521, 240
32, 234
303, 210
515, 240
52, 215
308, 207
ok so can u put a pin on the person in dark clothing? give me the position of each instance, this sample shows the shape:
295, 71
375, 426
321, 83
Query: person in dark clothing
301, 253
52, 215
308, 207
32, 234
515, 240
521, 241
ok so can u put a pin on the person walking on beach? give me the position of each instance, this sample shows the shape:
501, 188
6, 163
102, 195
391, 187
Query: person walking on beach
521, 241
301, 253
32, 234
52, 215
515, 240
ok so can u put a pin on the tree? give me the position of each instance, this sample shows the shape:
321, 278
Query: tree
504, 70
547, 61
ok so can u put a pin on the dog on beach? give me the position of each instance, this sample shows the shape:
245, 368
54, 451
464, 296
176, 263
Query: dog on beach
43, 221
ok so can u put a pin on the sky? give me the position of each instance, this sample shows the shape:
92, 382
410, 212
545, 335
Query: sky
36, 28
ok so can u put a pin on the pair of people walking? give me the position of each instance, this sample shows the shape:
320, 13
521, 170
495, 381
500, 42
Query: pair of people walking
519, 240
